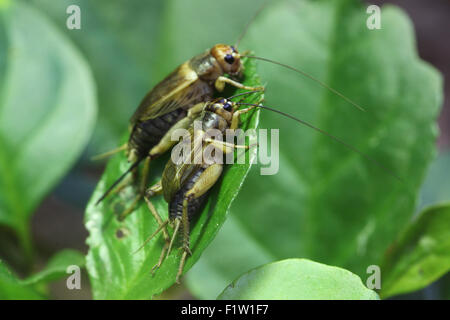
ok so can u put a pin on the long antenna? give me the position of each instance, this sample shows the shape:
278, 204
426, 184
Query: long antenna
305, 74
244, 93
134, 165
387, 170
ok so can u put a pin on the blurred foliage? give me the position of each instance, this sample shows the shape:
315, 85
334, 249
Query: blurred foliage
421, 255
116, 37
11, 287
34, 287
326, 203
57, 267
130, 45
47, 112
436, 189
298, 279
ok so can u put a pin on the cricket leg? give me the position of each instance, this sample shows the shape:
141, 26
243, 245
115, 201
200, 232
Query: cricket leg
109, 153
167, 141
203, 184
221, 81
236, 116
175, 232
141, 189
162, 225
122, 185
226, 147
186, 250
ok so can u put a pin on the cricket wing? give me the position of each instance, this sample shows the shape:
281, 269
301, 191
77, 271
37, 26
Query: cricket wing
175, 174
181, 89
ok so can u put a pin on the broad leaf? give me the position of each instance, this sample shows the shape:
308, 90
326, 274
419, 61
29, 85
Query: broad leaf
118, 273
297, 279
436, 189
118, 40
47, 111
421, 255
11, 287
328, 203
56, 268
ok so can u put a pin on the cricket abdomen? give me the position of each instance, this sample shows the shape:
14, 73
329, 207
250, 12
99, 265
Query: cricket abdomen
147, 134
194, 204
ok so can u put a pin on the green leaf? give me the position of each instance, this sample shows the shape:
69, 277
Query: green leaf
185, 18
298, 279
120, 41
421, 255
214, 271
117, 273
328, 203
57, 267
47, 111
11, 288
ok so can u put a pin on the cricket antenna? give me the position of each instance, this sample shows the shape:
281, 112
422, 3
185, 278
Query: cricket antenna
244, 93
348, 146
249, 23
108, 191
305, 74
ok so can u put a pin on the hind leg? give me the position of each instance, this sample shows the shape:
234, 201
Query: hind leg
109, 153
162, 225
141, 188
186, 249
204, 183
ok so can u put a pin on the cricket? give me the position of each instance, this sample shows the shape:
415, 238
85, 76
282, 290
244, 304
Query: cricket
187, 95
224, 150
171, 105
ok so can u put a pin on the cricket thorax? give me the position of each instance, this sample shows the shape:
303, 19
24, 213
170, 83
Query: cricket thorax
211, 120
206, 67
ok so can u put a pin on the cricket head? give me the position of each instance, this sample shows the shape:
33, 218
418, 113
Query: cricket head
219, 114
228, 58
224, 108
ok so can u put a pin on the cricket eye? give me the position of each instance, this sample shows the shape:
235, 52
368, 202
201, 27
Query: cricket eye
229, 59
228, 106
